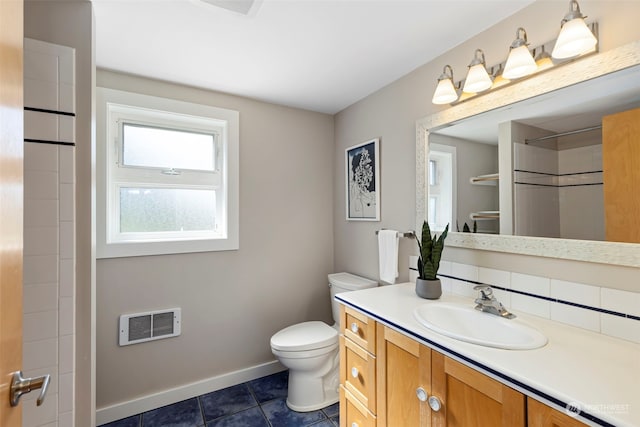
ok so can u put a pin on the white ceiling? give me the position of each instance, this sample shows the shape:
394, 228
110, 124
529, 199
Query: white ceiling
321, 55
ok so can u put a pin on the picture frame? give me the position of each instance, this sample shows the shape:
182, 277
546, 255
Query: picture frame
362, 177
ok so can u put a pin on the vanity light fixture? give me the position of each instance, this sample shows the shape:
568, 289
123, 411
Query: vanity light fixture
575, 37
445, 91
478, 79
575, 41
520, 62
543, 59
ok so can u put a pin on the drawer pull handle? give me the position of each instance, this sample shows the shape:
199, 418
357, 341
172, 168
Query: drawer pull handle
422, 394
354, 328
435, 404
354, 424
354, 372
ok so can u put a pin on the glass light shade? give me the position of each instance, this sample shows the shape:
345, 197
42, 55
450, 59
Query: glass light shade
478, 79
445, 92
520, 63
575, 39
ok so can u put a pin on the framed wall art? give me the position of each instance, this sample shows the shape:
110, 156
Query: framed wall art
362, 174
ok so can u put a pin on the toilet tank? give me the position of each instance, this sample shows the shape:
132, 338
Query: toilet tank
345, 282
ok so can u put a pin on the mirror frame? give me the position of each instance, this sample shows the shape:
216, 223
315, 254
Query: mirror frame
581, 70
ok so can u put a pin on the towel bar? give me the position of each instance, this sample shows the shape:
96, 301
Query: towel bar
409, 234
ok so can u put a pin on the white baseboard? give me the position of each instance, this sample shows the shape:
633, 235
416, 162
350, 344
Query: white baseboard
183, 392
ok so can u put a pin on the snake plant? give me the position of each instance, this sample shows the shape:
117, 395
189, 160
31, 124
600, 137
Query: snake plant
430, 252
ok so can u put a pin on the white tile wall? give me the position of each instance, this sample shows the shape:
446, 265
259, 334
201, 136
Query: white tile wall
466, 272
49, 234
627, 329
621, 301
42, 126
550, 297
575, 316
575, 292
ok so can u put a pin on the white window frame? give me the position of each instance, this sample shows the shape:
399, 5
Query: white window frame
117, 107
442, 199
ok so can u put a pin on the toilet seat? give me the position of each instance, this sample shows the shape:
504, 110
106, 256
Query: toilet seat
303, 337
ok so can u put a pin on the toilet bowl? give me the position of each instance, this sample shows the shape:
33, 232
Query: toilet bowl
310, 351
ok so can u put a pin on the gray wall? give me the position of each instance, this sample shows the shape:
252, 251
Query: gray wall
233, 301
473, 159
391, 112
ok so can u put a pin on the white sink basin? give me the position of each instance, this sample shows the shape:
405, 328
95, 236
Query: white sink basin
465, 323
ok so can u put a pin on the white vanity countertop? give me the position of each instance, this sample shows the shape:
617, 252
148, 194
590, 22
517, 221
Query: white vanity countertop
600, 373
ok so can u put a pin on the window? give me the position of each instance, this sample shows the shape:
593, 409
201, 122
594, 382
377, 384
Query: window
442, 186
167, 176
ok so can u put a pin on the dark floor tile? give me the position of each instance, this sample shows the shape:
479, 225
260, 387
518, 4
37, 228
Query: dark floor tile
252, 417
279, 415
227, 401
270, 387
323, 423
332, 411
182, 414
125, 422
336, 421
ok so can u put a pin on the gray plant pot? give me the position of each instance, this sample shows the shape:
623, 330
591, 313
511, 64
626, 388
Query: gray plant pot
429, 289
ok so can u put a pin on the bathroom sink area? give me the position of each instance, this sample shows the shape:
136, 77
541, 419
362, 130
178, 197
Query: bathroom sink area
464, 323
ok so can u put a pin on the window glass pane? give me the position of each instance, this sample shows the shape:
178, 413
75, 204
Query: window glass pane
165, 148
433, 210
433, 172
149, 210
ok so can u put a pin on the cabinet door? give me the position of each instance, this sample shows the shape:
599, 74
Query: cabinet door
621, 167
469, 398
403, 366
541, 415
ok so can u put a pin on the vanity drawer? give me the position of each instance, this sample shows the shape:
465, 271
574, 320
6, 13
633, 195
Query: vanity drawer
353, 413
358, 373
359, 328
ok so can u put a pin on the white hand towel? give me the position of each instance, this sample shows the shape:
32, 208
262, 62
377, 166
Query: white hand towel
388, 255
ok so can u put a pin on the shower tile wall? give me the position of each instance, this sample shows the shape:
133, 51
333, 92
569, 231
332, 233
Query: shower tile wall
572, 208
582, 207
49, 231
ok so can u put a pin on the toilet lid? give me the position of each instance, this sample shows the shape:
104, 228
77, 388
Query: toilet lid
304, 336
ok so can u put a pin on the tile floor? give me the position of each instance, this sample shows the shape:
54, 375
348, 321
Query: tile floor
257, 403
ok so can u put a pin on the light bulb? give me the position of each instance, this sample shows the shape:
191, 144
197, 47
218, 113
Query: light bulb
445, 93
478, 79
520, 63
575, 37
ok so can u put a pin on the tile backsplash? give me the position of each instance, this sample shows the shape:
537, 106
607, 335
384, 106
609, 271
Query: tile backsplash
607, 311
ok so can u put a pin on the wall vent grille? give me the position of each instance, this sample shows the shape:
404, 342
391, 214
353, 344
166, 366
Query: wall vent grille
152, 325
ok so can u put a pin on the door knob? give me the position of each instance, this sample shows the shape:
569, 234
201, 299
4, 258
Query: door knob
435, 403
421, 394
20, 386
354, 372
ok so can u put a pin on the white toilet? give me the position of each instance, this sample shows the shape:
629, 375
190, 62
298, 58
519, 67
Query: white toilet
310, 351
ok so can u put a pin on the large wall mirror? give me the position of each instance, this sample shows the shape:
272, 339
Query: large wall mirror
536, 172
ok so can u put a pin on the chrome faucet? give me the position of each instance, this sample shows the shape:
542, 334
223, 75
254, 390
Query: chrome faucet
489, 304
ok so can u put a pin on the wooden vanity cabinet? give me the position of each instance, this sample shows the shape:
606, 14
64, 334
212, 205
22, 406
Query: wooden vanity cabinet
390, 380
541, 415
418, 386
403, 367
469, 398
357, 369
